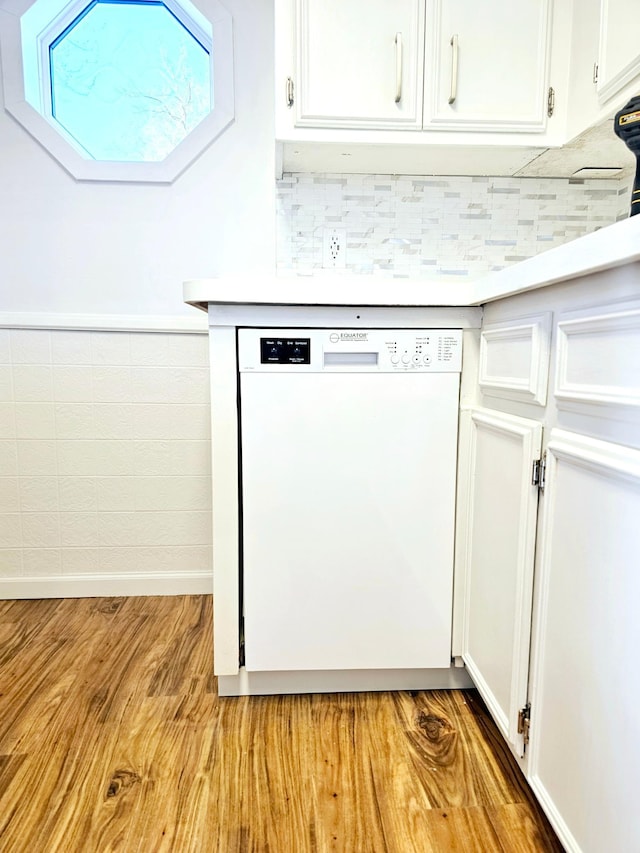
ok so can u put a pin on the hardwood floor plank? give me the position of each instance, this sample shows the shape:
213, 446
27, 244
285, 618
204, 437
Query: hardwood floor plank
44, 664
523, 829
113, 738
31, 798
463, 830
32, 694
59, 677
9, 765
31, 611
180, 660
393, 777
26, 624
495, 745
347, 808
454, 763
173, 788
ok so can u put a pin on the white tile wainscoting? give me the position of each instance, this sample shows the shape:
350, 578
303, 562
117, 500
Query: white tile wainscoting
453, 228
105, 482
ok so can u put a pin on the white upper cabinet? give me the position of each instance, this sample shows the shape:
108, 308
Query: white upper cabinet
619, 53
582, 100
604, 68
416, 64
487, 64
359, 63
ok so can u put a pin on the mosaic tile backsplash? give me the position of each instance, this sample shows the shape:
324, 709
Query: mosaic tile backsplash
435, 227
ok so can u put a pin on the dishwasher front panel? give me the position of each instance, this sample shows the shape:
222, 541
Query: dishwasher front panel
348, 489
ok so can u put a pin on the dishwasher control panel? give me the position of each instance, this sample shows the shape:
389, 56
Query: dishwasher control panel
426, 350
350, 350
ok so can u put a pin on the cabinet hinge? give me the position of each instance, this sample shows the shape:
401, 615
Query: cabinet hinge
524, 722
241, 659
289, 92
596, 68
538, 472
551, 101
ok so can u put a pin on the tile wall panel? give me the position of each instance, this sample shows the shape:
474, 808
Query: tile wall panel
104, 453
453, 228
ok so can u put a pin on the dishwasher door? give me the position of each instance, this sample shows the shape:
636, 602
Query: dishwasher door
348, 485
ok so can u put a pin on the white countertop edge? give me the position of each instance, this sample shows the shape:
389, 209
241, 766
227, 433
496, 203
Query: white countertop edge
321, 290
611, 246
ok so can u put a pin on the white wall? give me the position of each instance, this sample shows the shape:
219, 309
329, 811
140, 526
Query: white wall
126, 249
105, 436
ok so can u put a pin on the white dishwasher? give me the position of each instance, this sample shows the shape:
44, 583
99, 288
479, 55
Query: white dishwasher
348, 471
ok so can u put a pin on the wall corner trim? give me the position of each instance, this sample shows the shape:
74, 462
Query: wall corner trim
107, 585
197, 324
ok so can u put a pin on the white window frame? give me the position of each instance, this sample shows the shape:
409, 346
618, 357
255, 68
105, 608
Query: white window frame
55, 16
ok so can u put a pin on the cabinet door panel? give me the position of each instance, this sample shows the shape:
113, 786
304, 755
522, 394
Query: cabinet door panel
501, 64
348, 55
619, 54
585, 728
501, 519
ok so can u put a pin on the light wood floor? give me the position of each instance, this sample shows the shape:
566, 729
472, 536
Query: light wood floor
112, 737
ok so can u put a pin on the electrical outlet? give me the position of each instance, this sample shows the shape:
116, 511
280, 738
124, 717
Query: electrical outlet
334, 248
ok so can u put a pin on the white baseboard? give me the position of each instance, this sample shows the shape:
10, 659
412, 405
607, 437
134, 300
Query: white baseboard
91, 586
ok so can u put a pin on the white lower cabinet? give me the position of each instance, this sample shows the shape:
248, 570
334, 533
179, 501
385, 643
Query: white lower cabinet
501, 514
562, 564
585, 692
581, 690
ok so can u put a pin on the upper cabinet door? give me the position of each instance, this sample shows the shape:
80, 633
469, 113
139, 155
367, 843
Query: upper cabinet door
359, 63
619, 54
499, 514
487, 64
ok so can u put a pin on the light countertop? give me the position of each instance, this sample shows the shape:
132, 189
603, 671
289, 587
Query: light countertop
613, 246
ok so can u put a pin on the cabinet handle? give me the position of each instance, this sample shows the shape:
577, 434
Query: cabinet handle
454, 69
398, 67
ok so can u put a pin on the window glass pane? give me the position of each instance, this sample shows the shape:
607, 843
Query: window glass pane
129, 81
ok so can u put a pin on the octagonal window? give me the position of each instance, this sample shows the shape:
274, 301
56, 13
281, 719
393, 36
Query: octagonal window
129, 80
119, 89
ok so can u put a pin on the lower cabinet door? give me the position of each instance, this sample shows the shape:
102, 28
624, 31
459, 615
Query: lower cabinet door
585, 690
498, 562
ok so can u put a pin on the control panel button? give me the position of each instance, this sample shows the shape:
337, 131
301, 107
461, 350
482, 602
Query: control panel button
427, 359
416, 359
394, 359
406, 358
285, 351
